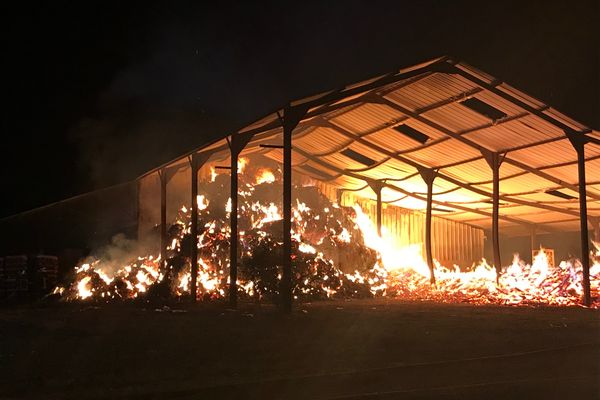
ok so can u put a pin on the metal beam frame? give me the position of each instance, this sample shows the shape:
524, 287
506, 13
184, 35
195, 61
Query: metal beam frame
413, 195
579, 145
289, 120
494, 160
445, 177
476, 146
196, 160
162, 173
236, 145
428, 176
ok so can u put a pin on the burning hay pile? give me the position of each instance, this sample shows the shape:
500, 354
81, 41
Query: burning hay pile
326, 245
336, 252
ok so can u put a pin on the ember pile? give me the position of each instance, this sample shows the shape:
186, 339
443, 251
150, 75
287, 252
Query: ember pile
336, 253
518, 284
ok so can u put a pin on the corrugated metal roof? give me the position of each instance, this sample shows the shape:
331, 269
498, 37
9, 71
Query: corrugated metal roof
367, 118
532, 133
443, 153
479, 171
432, 89
389, 136
517, 94
456, 117
321, 141
546, 154
507, 135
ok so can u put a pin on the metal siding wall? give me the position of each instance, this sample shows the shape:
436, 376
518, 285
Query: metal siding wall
452, 242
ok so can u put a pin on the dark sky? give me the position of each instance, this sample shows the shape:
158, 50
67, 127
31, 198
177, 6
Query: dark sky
98, 93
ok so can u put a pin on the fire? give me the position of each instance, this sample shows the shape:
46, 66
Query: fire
265, 176
321, 230
83, 288
202, 202
392, 257
270, 214
242, 162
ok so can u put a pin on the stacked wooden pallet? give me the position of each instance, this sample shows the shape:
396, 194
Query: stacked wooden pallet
24, 276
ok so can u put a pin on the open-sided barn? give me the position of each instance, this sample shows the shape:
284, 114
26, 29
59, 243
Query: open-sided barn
438, 153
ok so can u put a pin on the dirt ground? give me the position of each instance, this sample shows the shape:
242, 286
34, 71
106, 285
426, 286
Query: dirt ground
359, 349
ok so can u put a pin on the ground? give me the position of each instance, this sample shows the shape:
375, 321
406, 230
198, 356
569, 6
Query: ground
359, 349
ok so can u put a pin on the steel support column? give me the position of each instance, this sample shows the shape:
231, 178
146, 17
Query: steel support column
196, 162
233, 239
533, 240
236, 145
578, 143
428, 176
290, 119
494, 160
162, 173
194, 229
376, 187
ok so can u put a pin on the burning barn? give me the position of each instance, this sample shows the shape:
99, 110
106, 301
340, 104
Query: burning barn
397, 186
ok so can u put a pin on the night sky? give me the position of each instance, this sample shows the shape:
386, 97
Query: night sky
98, 94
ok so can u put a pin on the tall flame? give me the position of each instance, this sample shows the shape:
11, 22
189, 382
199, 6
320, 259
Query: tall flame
265, 176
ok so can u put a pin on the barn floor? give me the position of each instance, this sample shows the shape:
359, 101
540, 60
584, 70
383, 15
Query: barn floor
359, 349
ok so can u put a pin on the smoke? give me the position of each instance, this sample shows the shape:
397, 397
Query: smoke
120, 146
120, 251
